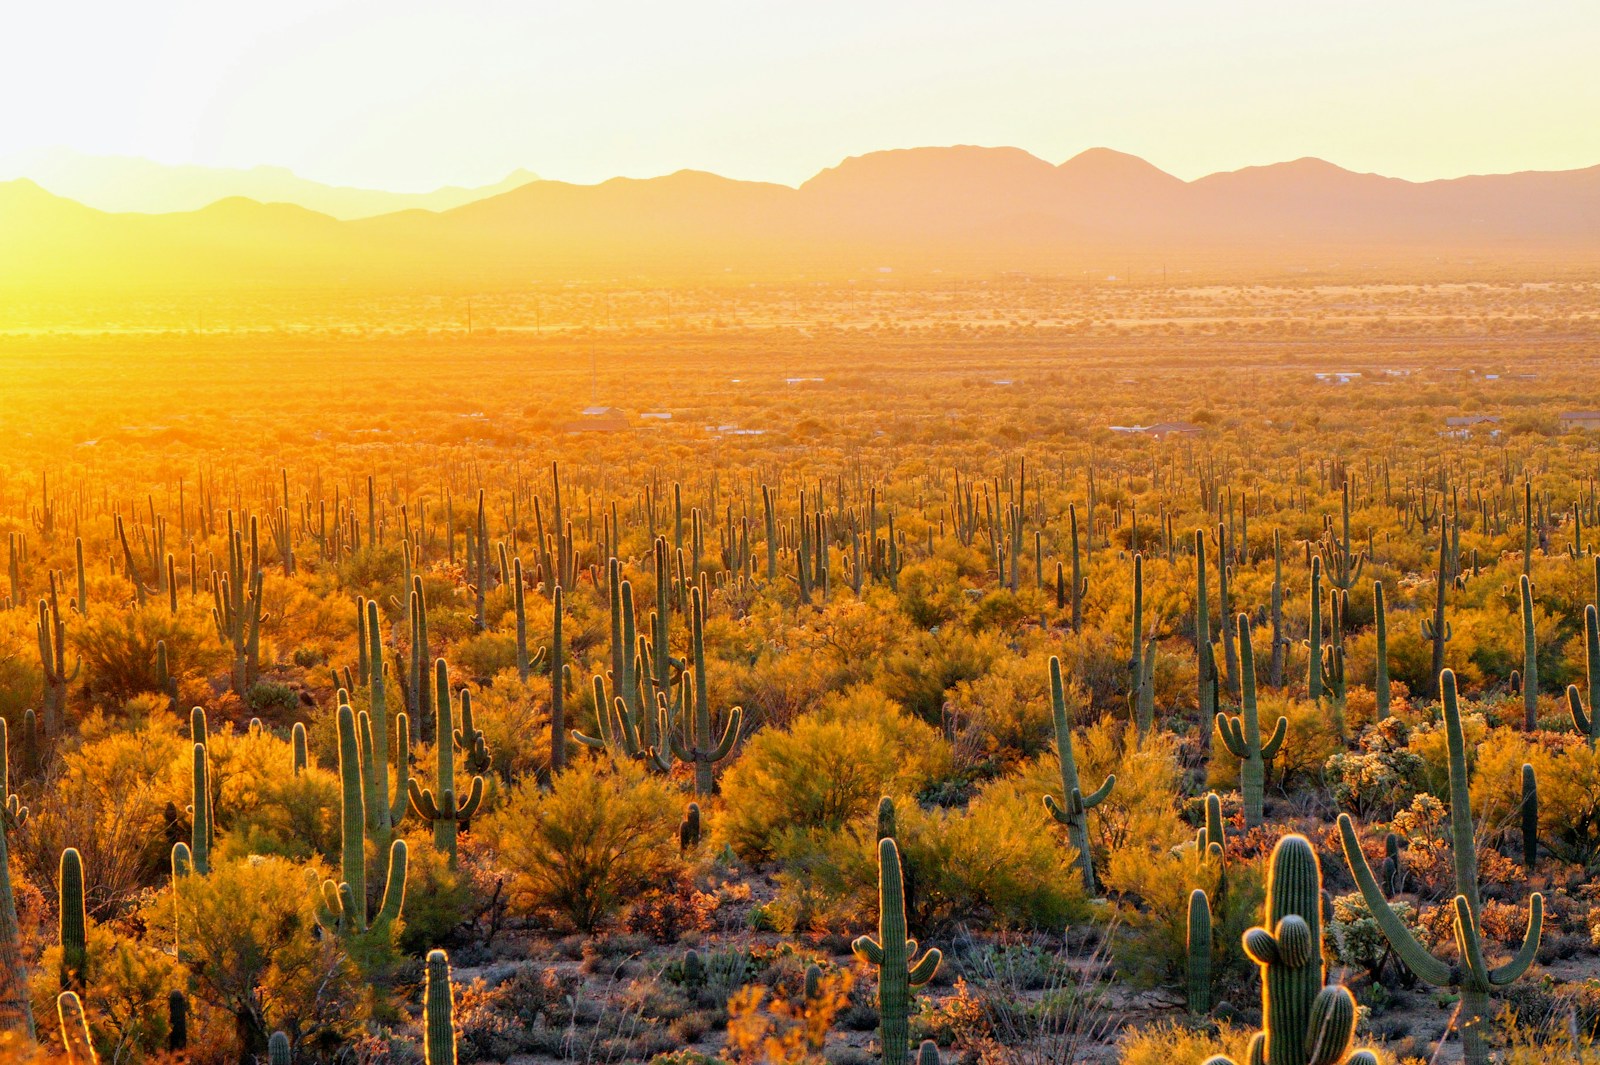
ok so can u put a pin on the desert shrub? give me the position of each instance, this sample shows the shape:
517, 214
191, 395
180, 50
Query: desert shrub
125, 992
579, 850
268, 699
1380, 777
1355, 939
515, 719
437, 897
823, 772
108, 798
1003, 715
1141, 807
248, 937
1428, 742
1167, 1043
1152, 889
118, 648
485, 655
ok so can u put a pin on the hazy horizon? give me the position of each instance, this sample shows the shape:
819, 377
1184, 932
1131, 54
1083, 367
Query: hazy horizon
402, 98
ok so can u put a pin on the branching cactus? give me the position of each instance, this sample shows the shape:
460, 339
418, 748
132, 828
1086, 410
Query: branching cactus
442, 807
74, 941
1305, 1022
439, 1012
1211, 842
469, 739
53, 661
1470, 973
700, 748
619, 734
1199, 943
894, 956
1073, 808
1241, 734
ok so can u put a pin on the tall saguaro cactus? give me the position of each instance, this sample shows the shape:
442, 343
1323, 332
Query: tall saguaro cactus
894, 956
53, 661
1073, 808
1304, 1021
1530, 658
1241, 733
1380, 625
700, 749
1199, 957
442, 807
1470, 973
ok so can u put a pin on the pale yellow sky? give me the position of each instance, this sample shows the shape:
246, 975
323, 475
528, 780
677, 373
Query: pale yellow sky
408, 95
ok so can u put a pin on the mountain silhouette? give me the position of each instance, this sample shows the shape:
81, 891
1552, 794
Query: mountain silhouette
124, 183
956, 209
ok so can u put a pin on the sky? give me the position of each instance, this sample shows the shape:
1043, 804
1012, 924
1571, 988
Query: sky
406, 95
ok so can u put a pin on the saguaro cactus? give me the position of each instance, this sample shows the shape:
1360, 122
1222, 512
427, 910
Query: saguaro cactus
279, 1052
894, 956
16, 1008
75, 1036
1470, 973
1314, 675
442, 807
53, 661
1588, 724
1437, 631
1199, 942
1205, 655
699, 749
439, 1012
1530, 817
1530, 658
74, 942
1073, 808
1304, 1022
1241, 734
1380, 623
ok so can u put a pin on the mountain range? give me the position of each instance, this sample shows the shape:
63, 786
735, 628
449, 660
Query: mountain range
958, 210
121, 183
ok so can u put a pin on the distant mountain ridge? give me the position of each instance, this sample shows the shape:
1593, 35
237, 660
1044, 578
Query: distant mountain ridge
121, 184
957, 209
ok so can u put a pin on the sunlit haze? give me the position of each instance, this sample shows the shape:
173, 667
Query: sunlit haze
409, 95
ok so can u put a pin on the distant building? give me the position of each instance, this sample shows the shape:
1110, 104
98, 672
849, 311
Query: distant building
656, 415
1581, 419
1337, 378
1160, 430
597, 420
1467, 424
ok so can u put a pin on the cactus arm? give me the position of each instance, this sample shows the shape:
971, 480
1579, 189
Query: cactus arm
1580, 720
1055, 809
402, 769
730, 734
1232, 732
1273, 745
1469, 944
1416, 957
422, 801
1099, 795
926, 966
867, 949
474, 800
1519, 963
394, 889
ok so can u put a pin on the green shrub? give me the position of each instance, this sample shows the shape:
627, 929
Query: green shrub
579, 850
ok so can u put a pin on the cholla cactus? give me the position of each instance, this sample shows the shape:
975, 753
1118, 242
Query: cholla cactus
1305, 1022
892, 953
1073, 808
1471, 973
1241, 734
